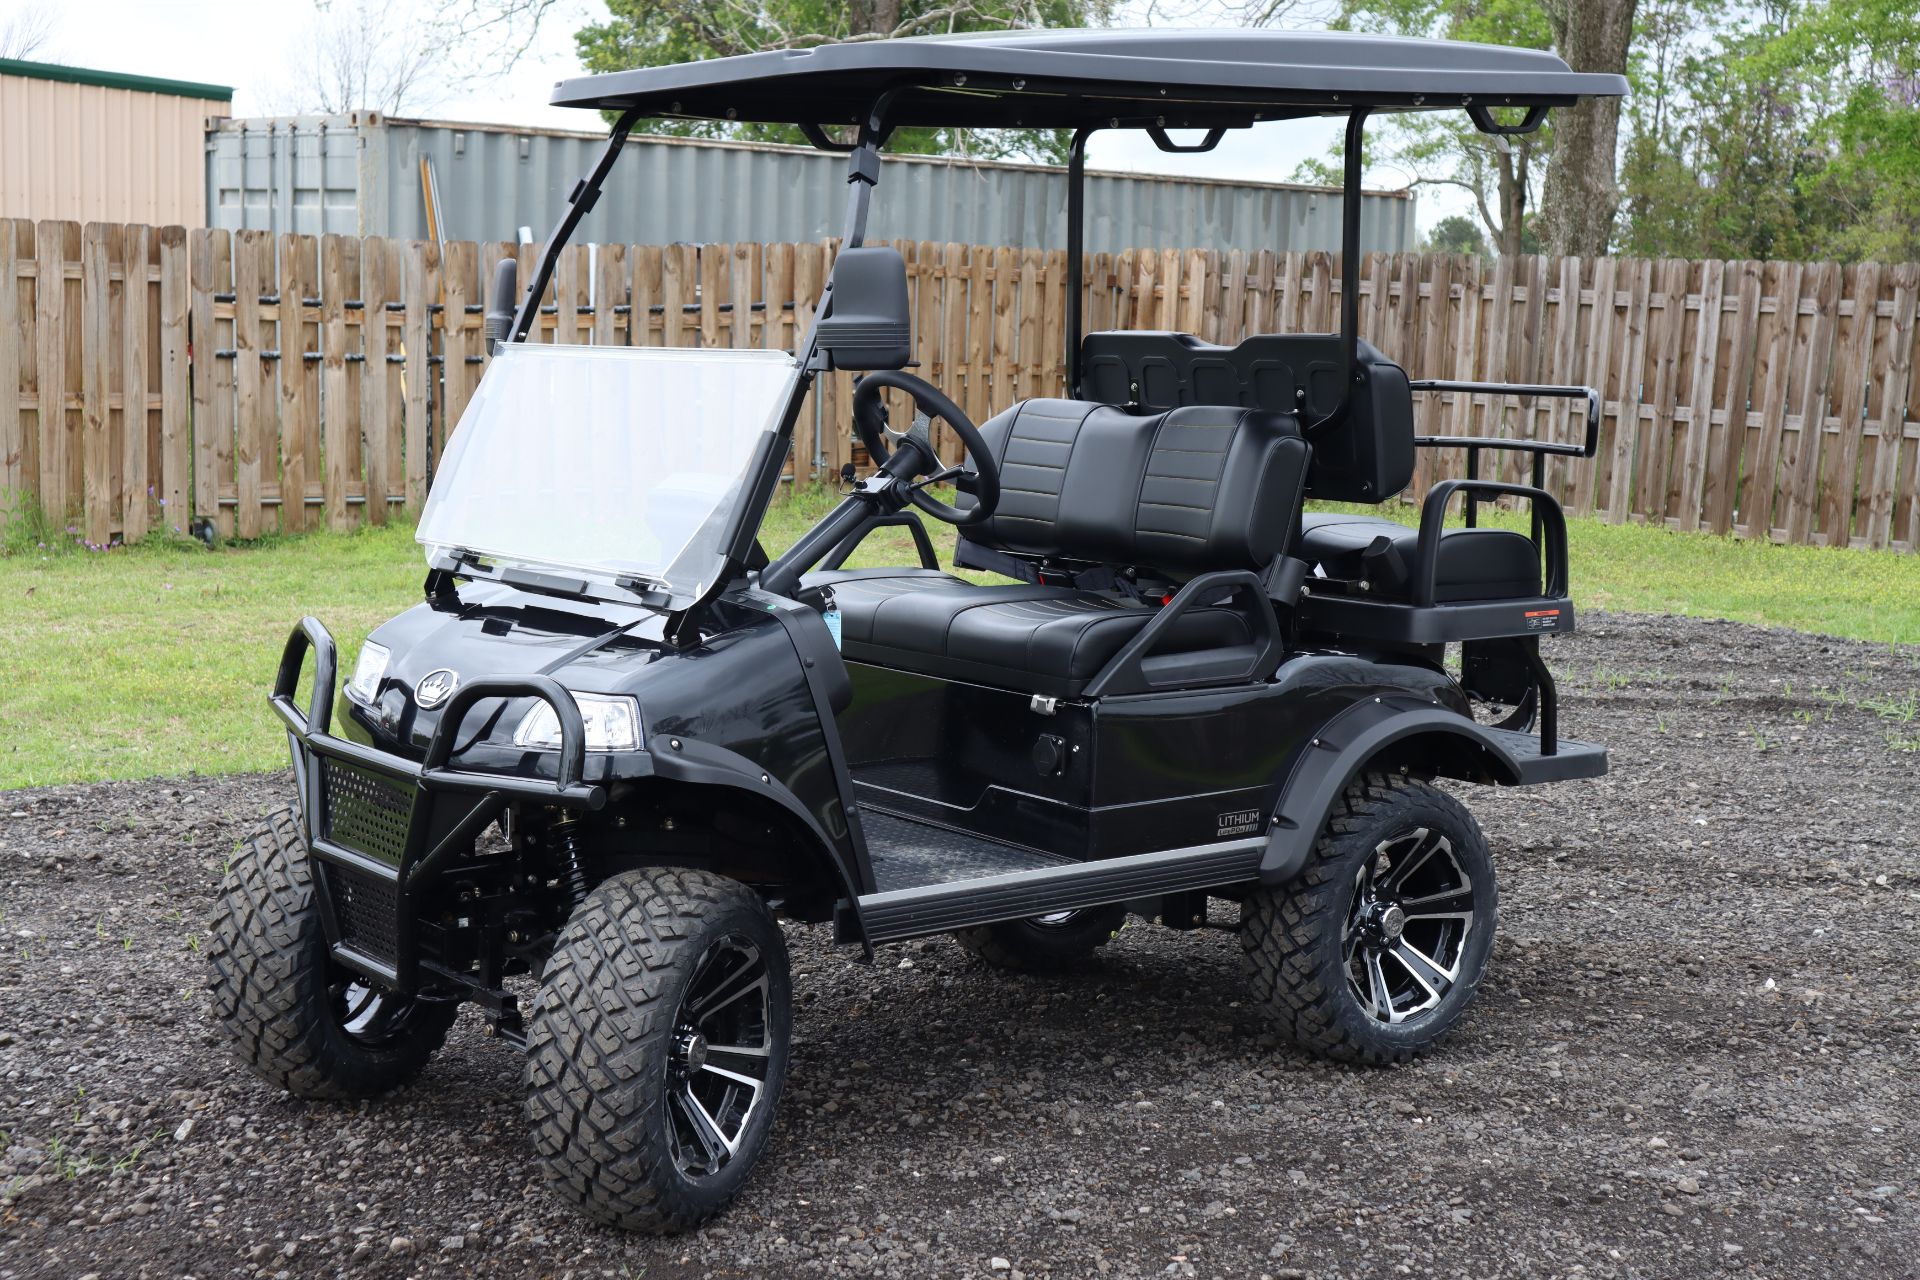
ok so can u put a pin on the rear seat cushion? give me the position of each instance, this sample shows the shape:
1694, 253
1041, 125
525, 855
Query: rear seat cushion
1474, 564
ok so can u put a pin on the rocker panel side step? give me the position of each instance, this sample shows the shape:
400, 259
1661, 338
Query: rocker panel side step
937, 908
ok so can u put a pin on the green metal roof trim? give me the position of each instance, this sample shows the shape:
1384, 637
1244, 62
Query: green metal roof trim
115, 80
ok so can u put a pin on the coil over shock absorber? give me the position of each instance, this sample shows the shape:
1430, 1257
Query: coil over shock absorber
566, 831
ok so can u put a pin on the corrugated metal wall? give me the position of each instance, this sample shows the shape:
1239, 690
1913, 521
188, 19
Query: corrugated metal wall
97, 153
360, 175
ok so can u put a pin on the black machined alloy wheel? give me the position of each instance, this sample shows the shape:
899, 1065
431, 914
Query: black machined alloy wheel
297, 1018
658, 1047
1377, 948
722, 1051
1407, 929
1037, 944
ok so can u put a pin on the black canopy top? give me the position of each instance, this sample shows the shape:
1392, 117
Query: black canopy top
1071, 78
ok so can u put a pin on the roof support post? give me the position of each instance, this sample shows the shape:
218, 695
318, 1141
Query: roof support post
1076, 252
863, 169
579, 201
1349, 269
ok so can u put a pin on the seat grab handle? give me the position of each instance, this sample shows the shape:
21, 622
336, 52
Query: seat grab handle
1125, 671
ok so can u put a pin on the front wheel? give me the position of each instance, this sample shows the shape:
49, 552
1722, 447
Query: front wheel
297, 1018
1378, 946
658, 1048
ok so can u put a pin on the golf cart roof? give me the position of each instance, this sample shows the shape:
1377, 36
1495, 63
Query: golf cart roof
1074, 78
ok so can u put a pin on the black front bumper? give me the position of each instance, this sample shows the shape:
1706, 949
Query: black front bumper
378, 823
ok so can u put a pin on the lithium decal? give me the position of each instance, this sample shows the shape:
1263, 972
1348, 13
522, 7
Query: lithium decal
1240, 823
1542, 619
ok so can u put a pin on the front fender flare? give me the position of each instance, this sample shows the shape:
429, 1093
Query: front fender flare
704, 764
1345, 746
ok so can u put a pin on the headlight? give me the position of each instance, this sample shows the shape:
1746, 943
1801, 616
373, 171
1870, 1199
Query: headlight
367, 670
613, 724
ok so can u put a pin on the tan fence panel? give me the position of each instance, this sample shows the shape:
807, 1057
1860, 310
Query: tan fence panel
155, 376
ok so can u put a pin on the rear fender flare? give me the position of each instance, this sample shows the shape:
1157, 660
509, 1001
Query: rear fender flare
1349, 744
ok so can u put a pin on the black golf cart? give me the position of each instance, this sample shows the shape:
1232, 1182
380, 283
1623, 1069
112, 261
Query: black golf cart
615, 742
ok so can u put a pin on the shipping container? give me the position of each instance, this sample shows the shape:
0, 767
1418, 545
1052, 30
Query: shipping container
97, 146
368, 174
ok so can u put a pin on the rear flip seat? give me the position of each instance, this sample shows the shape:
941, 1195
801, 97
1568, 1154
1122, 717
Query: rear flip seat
1474, 564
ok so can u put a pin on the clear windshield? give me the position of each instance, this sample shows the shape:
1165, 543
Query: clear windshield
616, 462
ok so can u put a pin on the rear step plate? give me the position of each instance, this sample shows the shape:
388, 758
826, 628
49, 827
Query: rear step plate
1570, 760
1030, 884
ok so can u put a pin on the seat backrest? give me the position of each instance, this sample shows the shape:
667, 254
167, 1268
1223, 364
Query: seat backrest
1367, 458
1187, 491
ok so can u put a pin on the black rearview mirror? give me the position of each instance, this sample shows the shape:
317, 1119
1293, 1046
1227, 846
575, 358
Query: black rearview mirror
869, 323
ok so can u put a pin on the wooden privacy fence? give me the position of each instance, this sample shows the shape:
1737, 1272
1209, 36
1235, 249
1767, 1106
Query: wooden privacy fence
152, 377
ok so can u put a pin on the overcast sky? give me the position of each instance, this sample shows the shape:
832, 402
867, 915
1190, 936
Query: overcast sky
256, 46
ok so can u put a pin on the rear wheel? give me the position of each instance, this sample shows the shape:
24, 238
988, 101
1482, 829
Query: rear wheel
297, 1018
658, 1048
1041, 943
1377, 948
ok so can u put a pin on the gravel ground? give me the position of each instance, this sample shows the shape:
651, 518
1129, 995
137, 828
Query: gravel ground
1696, 1053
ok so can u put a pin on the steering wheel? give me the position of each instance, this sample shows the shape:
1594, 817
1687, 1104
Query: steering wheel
870, 420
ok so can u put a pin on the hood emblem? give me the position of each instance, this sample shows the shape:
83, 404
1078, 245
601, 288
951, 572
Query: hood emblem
435, 687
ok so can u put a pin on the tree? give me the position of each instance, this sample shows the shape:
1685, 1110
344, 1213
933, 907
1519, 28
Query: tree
1580, 198
646, 33
1444, 149
1456, 234
1716, 152
28, 31
1788, 129
1866, 53
363, 56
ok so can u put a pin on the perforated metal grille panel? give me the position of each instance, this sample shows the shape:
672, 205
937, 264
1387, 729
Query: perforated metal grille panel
366, 910
367, 813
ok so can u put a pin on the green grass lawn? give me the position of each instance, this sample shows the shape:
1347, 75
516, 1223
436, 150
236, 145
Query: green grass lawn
156, 659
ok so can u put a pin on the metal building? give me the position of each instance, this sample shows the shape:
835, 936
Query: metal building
367, 174
96, 146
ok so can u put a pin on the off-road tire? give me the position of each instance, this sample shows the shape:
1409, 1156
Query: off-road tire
1293, 933
600, 1041
273, 980
1029, 946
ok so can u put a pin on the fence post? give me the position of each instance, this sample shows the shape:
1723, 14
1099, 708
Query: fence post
16, 461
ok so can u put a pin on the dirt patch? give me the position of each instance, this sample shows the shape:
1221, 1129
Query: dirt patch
1696, 1053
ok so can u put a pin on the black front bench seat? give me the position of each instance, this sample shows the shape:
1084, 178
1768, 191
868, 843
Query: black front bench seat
1182, 493
1473, 564
1046, 640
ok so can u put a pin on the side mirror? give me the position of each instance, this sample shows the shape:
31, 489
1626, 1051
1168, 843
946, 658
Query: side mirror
502, 302
868, 324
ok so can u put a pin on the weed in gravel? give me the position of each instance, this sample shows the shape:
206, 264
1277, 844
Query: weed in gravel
1605, 677
1903, 742
1760, 739
1900, 708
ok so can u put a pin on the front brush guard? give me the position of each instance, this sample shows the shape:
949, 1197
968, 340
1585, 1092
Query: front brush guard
412, 801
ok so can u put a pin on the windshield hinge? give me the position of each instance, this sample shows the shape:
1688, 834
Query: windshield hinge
646, 592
